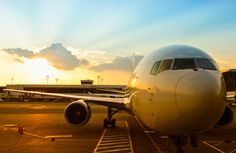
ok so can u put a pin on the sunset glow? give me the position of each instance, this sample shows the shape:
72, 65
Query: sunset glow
73, 40
40, 68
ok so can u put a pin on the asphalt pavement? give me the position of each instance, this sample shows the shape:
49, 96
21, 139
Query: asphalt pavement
46, 131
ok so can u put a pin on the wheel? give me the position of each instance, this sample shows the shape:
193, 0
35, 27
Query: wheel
105, 123
113, 123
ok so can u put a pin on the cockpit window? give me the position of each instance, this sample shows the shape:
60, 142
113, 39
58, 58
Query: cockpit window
155, 68
206, 64
166, 65
186, 63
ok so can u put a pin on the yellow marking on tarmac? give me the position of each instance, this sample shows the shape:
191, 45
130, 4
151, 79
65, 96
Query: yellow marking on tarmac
213, 147
126, 123
58, 136
218, 143
115, 140
35, 135
147, 132
78, 140
155, 145
13, 126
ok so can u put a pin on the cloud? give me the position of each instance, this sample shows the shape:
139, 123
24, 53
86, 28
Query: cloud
20, 52
61, 58
69, 58
57, 55
119, 63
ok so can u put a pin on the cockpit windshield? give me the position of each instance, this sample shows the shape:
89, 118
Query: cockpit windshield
206, 64
190, 63
180, 64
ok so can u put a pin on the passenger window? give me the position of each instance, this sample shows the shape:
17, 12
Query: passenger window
155, 68
205, 64
180, 64
166, 65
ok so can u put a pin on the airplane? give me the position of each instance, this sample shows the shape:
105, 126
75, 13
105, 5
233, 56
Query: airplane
177, 90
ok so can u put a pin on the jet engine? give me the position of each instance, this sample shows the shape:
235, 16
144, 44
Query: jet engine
226, 118
78, 113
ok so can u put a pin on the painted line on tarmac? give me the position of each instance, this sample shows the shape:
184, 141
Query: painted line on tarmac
10, 125
218, 143
58, 136
115, 140
127, 126
213, 147
35, 135
52, 137
13, 126
78, 140
233, 151
155, 145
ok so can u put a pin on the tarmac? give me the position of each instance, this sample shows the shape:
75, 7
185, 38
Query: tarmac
44, 130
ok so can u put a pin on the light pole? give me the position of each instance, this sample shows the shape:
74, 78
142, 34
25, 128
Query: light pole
98, 79
102, 80
12, 80
56, 80
47, 79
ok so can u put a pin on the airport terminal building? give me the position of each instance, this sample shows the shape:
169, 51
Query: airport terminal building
83, 89
86, 87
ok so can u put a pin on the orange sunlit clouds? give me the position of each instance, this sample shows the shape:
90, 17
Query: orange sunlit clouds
35, 71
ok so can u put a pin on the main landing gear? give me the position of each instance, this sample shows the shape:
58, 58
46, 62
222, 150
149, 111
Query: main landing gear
109, 122
177, 143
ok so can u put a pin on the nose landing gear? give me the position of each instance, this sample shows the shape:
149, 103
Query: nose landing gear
109, 122
177, 143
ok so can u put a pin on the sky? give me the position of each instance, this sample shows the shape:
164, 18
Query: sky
70, 40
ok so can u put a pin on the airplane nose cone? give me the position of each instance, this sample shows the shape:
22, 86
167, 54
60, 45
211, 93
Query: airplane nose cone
200, 99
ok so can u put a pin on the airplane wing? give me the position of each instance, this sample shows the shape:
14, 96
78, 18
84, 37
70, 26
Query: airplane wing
124, 91
108, 95
119, 103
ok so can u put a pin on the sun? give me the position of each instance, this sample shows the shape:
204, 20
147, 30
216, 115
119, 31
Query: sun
39, 69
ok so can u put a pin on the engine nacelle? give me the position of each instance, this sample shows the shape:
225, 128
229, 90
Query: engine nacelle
78, 113
226, 118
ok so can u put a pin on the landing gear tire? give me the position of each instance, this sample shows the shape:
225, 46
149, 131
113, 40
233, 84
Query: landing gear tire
113, 123
109, 122
105, 123
177, 143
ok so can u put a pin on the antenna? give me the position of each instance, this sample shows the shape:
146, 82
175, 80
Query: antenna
133, 60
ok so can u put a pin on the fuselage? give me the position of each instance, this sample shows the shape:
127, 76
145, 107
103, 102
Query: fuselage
180, 91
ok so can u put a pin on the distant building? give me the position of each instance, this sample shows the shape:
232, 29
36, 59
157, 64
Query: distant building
83, 82
83, 89
2, 93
